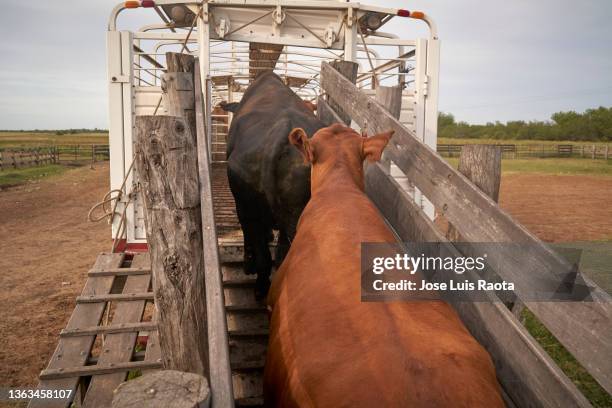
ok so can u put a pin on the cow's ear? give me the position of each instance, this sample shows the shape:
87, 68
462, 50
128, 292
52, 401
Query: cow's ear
373, 146
299, 139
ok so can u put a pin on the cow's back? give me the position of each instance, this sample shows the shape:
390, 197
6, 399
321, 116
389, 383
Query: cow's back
259, 153
327, 348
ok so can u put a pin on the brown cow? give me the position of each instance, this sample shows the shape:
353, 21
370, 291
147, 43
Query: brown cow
329, 349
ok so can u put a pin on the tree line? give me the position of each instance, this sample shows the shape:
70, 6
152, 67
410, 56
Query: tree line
594, 125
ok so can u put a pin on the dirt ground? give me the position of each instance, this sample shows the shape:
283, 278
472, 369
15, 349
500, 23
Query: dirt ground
560, 208
48, 246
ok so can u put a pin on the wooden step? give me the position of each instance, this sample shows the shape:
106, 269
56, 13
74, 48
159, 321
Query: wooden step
249, 402
248, 351
247, 384
239, 283
247, 319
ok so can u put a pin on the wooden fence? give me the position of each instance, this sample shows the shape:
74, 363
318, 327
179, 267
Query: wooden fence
21, 157
528, 151
16, 158
526, 372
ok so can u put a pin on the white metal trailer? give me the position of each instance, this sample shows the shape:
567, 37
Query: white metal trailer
236, 39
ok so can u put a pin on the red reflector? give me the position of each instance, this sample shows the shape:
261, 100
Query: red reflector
147, 3
132, 4
403, 13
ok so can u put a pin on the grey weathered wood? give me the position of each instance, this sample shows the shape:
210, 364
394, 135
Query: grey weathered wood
584, 328
115, 297
526, 372
167, 169
390, 97
349, 71
98, 369
178, 96
220, 370
120, 272
164, 389
73, 351
119, 347
179, 62
325, 113
114, 328
481, 164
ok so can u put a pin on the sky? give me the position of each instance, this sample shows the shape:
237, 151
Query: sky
500, 60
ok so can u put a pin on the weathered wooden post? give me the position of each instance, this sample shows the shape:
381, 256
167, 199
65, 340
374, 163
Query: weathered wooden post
349, 71
482, 165
390, 97
167, 168
166, 162
163, 389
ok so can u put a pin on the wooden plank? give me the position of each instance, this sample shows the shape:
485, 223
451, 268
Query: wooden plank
325, 113
115, 297
524, 369
153, 350
118, 328
218, 349
119, 347
97, 370
73, 351
349, 71
120, 272
584, 328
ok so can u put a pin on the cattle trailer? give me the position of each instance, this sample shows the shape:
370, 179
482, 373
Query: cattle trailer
395, 86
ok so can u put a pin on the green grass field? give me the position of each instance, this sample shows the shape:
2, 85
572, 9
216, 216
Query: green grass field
31, 139
21, 176
568, 364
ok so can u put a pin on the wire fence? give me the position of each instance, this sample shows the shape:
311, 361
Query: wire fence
22, 157
529, 151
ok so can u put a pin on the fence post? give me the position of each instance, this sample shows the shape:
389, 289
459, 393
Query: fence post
171, 196
389, 97
581, 150
606, 150
348, 70
93, 155
593, 152
482, 165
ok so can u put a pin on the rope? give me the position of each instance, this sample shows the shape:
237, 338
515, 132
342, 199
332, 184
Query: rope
110, 211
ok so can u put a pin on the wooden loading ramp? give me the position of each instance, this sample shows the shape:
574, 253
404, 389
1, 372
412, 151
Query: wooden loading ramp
99, 347
96, 352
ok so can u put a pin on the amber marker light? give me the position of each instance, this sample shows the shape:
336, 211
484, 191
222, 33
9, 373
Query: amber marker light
132, 4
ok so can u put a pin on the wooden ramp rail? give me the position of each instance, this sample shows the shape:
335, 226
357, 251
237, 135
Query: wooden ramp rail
527, 373
92, 358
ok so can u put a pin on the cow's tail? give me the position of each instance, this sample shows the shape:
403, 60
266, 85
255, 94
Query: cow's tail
229, 107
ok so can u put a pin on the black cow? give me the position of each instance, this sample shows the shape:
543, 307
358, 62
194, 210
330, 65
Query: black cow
267, 175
